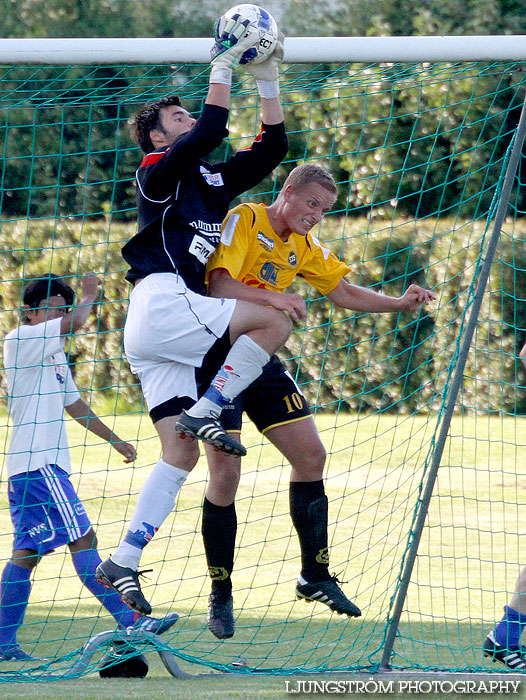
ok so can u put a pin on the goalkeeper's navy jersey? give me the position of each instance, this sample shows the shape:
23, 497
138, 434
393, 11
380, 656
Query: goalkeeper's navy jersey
182, 200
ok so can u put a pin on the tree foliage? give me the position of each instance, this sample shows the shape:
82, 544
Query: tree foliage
66, 141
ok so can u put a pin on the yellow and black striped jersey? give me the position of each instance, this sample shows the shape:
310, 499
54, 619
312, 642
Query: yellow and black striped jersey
253, 253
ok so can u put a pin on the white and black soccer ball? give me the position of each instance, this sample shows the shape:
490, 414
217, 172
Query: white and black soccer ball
261, 22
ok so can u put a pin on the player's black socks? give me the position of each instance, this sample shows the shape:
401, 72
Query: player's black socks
219, 529
309, 513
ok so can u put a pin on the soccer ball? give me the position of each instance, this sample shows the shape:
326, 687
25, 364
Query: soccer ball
260, 21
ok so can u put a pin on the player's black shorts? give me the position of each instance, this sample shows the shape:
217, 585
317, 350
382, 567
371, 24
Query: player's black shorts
272, 399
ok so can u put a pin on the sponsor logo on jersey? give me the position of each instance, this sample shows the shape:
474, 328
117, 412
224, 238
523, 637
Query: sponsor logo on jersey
269, 273
207, 228
201, 248
60, 373
267, 242
214, 179
293, 260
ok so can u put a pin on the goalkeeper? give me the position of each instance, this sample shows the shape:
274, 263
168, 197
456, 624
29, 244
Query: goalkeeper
45, 509
182, 201
262, 250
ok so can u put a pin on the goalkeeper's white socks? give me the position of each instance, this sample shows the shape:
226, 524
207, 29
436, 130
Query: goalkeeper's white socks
155, 503
243, 364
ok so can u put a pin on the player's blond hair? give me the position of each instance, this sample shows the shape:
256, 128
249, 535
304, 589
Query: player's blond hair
303, 175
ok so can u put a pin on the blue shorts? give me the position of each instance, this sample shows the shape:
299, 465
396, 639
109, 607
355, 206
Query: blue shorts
45, 510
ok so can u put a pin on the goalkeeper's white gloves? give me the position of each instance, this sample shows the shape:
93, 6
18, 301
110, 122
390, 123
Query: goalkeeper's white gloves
266, 73
230, 45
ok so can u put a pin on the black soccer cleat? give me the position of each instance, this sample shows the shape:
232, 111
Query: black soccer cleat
329, 593
209, 430
221, 616
513, 658
126, 582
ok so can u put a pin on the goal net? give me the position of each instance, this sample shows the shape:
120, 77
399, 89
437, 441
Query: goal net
419, 150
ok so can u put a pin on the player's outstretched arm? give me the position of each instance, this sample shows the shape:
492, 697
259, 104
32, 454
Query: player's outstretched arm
351, 296
77, 317
82, 413
266, 74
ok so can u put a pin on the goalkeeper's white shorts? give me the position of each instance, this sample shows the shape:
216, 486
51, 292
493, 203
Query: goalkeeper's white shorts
168, 331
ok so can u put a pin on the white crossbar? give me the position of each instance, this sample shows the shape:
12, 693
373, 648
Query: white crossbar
297, 50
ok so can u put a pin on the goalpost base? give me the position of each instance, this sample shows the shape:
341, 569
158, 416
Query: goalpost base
103, 639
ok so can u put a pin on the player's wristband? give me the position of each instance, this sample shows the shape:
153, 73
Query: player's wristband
268, 88
220, 74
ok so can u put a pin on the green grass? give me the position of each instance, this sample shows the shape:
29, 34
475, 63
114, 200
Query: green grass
467, 563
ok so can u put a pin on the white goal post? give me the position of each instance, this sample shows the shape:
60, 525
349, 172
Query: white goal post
297, 50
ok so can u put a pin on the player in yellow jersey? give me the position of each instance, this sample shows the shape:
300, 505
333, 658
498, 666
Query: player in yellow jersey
262, 250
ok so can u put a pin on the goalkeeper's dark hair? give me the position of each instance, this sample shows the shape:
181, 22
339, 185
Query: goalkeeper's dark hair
148, 118
44, 287
303, 175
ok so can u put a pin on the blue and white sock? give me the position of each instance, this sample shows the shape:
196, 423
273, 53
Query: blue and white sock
15, 587
155, 503
243, 364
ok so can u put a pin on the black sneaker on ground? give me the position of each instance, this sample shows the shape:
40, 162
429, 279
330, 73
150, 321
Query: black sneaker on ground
513, 658
126, 582
327, 592
209, 430
221, 616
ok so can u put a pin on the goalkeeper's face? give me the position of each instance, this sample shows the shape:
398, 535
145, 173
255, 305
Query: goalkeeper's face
174, 121
306, 206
